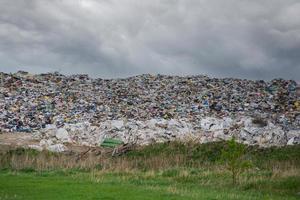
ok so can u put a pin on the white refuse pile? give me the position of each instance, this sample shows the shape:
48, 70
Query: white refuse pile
161, 130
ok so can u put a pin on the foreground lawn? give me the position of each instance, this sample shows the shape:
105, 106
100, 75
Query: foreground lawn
159, 171
136, 185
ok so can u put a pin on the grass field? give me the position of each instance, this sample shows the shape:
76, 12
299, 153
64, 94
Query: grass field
161, 171
139, 185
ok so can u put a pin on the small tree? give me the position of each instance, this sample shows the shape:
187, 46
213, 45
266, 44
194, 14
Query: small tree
233, 155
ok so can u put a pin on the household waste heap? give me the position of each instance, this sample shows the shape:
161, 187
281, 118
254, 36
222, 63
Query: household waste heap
143, 109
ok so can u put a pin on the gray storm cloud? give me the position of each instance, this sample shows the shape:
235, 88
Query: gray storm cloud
258, 39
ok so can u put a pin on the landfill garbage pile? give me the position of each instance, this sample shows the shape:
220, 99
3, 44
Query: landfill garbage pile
149, 108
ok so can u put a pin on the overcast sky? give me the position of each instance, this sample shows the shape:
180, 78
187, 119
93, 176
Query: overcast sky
256, 39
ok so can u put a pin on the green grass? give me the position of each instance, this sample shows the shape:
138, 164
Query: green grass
159, 171
211, 152
170, 184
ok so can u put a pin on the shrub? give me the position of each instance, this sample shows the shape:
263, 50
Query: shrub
234, 157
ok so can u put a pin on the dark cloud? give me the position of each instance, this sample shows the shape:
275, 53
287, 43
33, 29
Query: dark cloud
257, 39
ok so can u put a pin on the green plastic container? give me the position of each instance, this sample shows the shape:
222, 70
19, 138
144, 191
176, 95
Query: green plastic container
112, 143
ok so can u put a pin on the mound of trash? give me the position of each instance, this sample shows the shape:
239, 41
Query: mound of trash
147, 108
